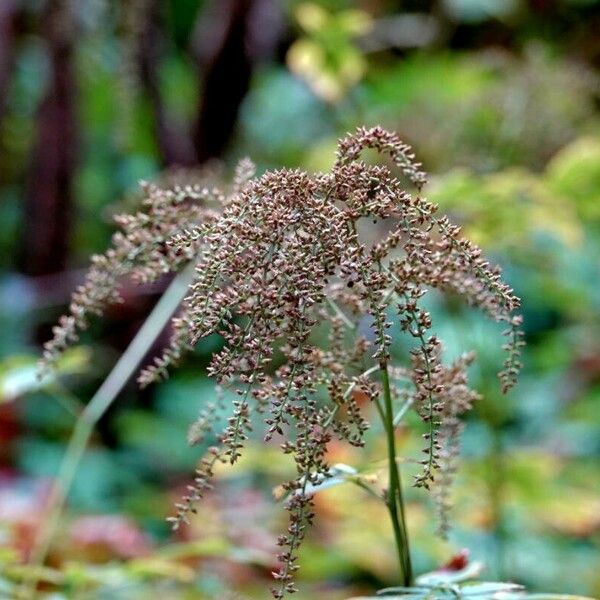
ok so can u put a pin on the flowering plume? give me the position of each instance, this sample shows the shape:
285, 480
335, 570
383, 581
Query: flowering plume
280, 255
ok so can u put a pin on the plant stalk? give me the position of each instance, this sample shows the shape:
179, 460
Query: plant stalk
93, 412
395, 501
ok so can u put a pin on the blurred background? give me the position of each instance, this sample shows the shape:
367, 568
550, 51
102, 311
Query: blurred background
500, 99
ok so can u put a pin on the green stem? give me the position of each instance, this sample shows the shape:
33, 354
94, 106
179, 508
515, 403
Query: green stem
96, 408
395, 501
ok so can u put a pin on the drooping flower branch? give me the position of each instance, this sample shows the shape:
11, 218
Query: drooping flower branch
284, 254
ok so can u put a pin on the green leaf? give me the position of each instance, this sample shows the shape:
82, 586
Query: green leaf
338, 474
488, 588
19, 375
545, 597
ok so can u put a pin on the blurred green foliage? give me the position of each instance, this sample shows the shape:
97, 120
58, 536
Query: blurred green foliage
511, 135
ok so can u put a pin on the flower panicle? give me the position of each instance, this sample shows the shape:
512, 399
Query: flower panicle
308, 306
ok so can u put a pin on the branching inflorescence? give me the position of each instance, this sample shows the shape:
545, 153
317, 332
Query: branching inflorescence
278, 258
